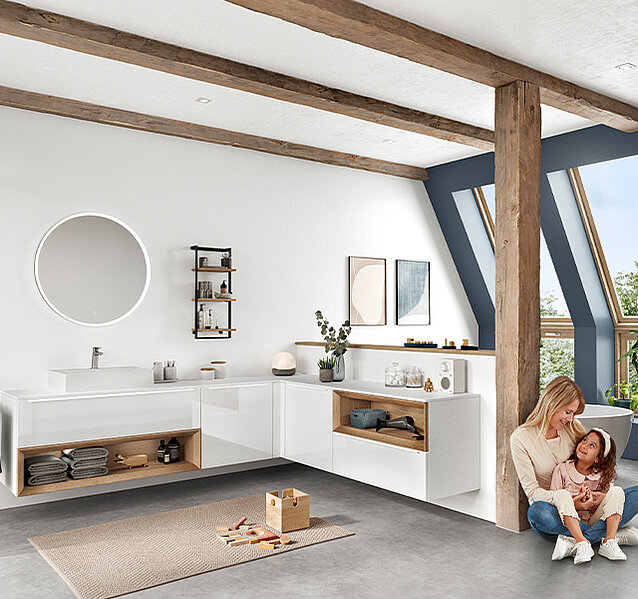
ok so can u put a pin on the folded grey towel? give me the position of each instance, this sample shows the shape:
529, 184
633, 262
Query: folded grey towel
44, 464
87, 463
88, 472
45, 479
86, 453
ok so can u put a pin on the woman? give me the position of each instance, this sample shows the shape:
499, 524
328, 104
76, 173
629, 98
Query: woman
547, 438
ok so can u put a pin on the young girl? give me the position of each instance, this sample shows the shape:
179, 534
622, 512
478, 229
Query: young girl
589, 474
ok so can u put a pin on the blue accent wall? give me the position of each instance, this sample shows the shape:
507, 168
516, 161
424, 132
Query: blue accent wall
564, 234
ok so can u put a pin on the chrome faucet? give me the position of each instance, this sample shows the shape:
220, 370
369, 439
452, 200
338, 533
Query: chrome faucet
95, 357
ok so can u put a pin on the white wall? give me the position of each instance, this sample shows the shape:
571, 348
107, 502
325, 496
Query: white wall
291, 224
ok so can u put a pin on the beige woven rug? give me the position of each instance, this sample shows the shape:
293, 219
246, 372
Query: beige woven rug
113, 559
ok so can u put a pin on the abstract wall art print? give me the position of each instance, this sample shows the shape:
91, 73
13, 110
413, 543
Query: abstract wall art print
413, 292
367, 291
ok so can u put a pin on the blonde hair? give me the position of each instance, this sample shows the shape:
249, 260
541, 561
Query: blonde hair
557, 394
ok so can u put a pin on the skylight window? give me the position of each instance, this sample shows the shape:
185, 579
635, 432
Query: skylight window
552, 299
612, 192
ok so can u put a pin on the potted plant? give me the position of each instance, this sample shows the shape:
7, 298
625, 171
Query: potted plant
325, 369
628, 391
336, 342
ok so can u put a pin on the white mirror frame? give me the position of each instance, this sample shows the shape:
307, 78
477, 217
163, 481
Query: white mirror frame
123, 225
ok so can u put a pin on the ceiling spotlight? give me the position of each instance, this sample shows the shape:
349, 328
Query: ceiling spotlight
203, 100
625, 66
389, 141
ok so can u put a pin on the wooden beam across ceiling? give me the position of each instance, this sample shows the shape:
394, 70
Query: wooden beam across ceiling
26, 100
366, 26
90, 38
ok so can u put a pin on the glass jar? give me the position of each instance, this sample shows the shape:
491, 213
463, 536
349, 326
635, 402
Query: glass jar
394, 376
414, 377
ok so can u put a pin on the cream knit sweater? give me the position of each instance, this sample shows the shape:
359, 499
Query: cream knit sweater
535, 458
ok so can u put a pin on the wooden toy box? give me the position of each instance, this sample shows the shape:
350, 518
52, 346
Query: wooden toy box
289, 512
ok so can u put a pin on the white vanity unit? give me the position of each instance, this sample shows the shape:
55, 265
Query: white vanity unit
242, 421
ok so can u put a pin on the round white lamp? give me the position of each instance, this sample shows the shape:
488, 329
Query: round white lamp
284, 364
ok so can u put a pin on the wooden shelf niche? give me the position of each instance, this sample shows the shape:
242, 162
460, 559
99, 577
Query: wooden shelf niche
345, 401
190, 459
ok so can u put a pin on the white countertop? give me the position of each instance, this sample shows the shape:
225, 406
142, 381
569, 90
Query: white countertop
368, 387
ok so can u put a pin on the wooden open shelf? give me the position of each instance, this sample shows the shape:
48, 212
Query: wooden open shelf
213, 269
345, 401
190, 459
214, 299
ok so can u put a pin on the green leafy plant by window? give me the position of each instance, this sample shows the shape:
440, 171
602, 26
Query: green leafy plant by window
337, 343
627, 389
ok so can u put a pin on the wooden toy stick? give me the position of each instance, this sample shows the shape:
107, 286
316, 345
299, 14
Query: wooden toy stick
238, 523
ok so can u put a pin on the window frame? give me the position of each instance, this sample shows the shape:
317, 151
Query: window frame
622, 324
552, 327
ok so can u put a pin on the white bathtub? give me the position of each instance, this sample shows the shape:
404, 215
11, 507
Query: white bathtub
616, 421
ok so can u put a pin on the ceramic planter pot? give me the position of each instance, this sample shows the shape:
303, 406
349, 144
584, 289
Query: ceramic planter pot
622, 403
325, 375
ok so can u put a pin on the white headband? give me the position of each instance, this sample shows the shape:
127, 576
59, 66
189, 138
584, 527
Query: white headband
606, 439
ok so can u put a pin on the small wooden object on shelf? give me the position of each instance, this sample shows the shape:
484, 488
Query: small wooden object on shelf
429, 386
289, 512
132, 461
214, 255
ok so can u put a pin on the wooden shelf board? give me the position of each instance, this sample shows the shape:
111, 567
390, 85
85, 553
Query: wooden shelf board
213, 269
213, 299
211, 330
401, 438
436, 350
114, 476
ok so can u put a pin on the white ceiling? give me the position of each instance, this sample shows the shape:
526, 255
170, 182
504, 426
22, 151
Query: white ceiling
580, 42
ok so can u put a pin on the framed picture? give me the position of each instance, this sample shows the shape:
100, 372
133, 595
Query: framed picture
367, 298
413, 292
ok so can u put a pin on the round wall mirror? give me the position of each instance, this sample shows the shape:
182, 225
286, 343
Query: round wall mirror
92, 269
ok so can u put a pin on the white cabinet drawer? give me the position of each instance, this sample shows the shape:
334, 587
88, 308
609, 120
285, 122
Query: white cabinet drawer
79, 418
236, 424
380, 464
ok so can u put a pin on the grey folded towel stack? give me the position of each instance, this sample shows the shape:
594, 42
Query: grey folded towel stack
88, 472
44, 469
85, 462
86, 453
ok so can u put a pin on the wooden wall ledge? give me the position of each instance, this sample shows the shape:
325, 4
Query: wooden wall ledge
478, 352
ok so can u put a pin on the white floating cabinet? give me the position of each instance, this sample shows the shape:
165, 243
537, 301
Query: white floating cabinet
236, 424
308, 425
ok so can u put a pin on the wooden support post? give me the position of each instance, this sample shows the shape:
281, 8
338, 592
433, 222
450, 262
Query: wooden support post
517, 177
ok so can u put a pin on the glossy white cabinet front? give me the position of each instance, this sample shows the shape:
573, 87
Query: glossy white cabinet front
77, 418
236, 424
308, 425
387, 466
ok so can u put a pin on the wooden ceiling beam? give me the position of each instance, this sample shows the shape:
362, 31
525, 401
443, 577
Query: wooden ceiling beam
366, 26
90, 38
26, 100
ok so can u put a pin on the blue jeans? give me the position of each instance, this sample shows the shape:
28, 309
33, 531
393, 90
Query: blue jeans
544, 519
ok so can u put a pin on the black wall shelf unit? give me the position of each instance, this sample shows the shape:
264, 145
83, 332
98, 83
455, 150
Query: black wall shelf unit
212, 273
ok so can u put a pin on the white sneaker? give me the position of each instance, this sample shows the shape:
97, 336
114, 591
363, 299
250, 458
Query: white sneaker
627, 535
610, 550
564, 547
583, 552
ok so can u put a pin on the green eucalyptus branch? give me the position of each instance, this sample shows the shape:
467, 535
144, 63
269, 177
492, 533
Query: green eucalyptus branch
336, 342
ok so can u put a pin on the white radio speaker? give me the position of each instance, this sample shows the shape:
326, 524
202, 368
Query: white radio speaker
452, 376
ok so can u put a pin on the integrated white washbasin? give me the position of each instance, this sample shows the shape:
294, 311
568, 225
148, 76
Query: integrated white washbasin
111, 377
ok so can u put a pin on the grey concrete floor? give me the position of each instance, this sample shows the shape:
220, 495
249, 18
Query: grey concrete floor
402, 547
